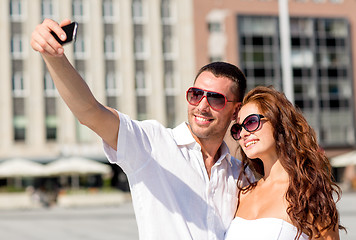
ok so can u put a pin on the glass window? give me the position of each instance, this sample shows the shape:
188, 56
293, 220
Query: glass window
171, 111
17, 11
51, 118
79, 47
19, 118
78, 10
47, 9
137, 10
18, 86
215, 27
258, 25
49, 87
109, 13
140, 80
109, 47
139, 46
17, 46
111, 84
302, 58
141, 107
166, 9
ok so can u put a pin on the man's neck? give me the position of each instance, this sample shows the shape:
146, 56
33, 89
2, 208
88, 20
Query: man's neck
211, 153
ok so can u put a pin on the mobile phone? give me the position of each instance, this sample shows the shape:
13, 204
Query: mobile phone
71, 32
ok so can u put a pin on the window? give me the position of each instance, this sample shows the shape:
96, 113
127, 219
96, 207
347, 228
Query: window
49, 88
215, 27
17, 46
139, 47
109, 13
47, 9
79, 10
19, 119
79, 48
111, 83
167, 12
17, 10
165, 9
51, 118
140, 80
137, 11
168, 42
18, 86
109, 47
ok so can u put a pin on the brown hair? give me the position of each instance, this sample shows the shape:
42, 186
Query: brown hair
310, 193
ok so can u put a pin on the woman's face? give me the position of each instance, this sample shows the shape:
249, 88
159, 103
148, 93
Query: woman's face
259, 143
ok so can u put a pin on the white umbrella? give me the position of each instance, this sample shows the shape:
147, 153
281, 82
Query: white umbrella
344, 159
76, 165
19, 167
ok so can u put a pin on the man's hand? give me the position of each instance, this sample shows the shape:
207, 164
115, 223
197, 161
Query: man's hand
43, 41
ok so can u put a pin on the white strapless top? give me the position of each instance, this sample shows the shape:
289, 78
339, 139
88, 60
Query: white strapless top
262, 228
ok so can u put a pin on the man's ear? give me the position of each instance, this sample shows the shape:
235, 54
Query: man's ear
236, 111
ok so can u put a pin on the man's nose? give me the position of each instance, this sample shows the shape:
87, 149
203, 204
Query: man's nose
203, 105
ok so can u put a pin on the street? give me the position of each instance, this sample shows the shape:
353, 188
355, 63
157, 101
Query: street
106, 223
99, 223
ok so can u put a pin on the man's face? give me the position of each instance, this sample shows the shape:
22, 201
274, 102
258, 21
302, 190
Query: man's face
205, 122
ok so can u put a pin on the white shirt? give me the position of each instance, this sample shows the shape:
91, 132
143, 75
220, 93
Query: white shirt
172, 195
262, 228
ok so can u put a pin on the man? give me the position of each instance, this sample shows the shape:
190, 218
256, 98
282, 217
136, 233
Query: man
182, 180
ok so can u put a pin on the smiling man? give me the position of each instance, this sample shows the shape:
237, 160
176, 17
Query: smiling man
182, 180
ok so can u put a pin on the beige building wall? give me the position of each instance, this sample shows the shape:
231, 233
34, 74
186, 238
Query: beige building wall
72, 138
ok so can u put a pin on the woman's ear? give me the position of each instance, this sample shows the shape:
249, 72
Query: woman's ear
236, 111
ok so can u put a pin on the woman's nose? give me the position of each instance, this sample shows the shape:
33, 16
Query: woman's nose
244, 133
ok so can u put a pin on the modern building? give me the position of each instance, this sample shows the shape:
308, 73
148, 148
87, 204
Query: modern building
323, 56
137, 56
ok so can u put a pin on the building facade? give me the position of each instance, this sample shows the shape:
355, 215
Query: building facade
323, 56
136, 56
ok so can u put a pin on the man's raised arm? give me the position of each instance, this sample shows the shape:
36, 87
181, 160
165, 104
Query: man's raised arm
75, 92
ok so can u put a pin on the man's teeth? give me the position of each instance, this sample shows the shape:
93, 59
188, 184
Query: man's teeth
202, 119
250, 143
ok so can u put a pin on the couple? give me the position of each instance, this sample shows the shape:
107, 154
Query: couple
184, 183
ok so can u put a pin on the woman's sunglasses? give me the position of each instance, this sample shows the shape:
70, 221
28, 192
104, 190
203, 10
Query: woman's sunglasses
250, 123
216, 101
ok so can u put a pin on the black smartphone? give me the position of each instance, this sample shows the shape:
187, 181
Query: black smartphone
71, 32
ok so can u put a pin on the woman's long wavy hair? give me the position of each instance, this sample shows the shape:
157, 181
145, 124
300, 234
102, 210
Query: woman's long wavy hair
311, 208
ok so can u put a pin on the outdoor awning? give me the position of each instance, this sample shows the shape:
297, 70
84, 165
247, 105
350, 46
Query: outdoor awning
344, 160
76, 165
19, 167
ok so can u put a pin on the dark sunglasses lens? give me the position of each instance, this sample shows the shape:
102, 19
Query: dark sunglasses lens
216, 100
252, 123
194, 95
235, 131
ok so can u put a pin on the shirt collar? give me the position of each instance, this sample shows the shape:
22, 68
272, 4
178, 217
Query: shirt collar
183, 136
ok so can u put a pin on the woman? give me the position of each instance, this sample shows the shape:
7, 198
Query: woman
294, 197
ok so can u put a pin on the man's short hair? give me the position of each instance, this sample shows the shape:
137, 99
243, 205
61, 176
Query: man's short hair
224, 69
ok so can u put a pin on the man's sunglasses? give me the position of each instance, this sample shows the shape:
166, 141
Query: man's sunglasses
250, 123
216, 101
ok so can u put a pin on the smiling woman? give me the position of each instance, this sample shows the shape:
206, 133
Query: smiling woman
294, 197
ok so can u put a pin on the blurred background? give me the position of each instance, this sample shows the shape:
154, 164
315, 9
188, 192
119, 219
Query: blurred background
140, 56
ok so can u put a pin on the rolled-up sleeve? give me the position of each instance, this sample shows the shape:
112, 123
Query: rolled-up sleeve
134, 146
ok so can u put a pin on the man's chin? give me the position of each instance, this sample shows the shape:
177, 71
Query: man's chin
199, 132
